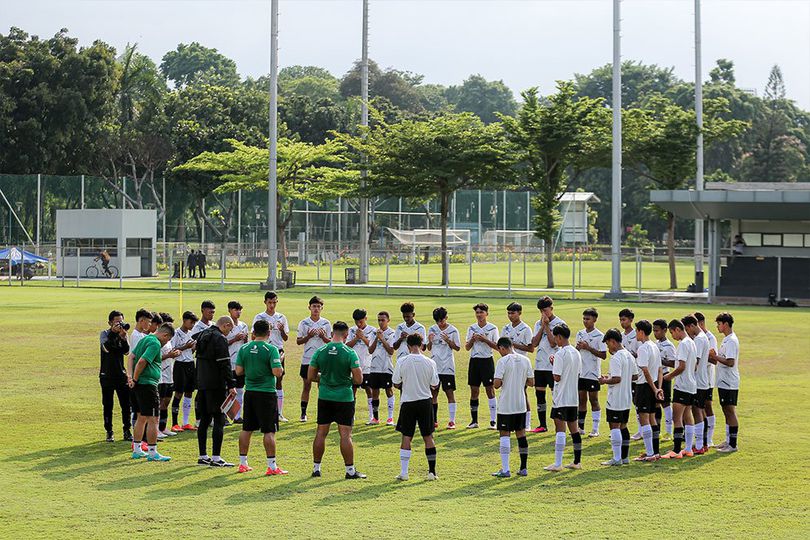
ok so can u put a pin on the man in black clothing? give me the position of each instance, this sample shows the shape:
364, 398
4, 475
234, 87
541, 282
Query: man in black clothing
112, 375
201, 263
215, 382
191, 263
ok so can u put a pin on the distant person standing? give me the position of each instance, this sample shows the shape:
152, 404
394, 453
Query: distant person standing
191, 264
112, 375
201, 262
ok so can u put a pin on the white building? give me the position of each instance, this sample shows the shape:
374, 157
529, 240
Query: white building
574, 213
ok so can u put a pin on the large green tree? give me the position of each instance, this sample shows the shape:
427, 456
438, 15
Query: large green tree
192, 62
484, 98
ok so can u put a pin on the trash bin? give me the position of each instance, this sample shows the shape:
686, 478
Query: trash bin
287, 276
351, 275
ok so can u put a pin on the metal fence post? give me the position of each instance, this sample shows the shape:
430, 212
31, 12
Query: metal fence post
387, 268
171, 267
447, 282
640, 269
418, 268
509, 273
222, 270
10, 272
330, 274
471, 264
62, 253
78, 264
573, 273
524, 269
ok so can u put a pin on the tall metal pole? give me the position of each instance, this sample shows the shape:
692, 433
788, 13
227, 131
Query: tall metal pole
164, 213
82, 192
699, 150
239, 226
364, 256
616, 191
272, 210
39, 211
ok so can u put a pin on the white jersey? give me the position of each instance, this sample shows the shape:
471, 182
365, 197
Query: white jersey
274, 338
380, 359
685, 381
199, 326
441, 351
480, 349
514, 370
416, 373
520, 334
403, 328
568, 365
712, 367
315, 342
361, 348
648, 357
166, 365
620, 395
702, 378
233, 348
181, 337
591, 364
545, 349
136, 336
728, 378
666, 351
629, 342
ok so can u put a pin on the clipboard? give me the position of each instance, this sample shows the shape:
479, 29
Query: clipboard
230, 407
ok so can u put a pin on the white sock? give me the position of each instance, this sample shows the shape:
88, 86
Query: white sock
596, 416
638, 421
243, 460
350, 469
506, 447
153, 450
316, 467
391, 407
668, 419
204, 456
280, 396
271, 463
689, 432
493, 409
646, 434
452, 408
559, 448
216, 458
186, 409
728, 436
404, 460
710, 432
528, 420
370, 410
699, 435
616, 444
240, 393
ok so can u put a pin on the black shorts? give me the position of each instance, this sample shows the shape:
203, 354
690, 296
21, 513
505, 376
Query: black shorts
412, 413
587, 385
185, 377
133, 402
379, 381
447, 382
303, 371
366, 384
481, 372
617, 417
339, 412
148, 400
684, 398
512, 422
701, 397
667, 386
260, 411
566, 414
210, 401
709, 393
645, 399
727, 397
240, 380
543, 379
165, 390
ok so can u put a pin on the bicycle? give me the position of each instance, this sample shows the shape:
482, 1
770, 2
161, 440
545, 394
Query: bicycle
94, 271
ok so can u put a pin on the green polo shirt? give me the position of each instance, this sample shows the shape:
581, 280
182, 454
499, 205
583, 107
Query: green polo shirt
148, 348
335, 361
258, 358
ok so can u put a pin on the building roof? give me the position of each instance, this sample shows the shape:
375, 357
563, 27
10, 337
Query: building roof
751, 203
579, 196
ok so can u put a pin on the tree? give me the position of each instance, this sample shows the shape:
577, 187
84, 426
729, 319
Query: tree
638, 81
481, 97
552, 136
424, 160
188, 63
775, 88
310, 172
398, 87
723, 73
310, 81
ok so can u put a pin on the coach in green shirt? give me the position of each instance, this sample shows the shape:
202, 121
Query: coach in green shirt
336, 368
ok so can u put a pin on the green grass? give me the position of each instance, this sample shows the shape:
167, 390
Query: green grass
58, 479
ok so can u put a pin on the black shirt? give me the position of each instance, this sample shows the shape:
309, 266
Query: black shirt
213, 360
113, 350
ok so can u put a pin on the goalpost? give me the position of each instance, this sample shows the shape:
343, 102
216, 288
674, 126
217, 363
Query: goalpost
431, 238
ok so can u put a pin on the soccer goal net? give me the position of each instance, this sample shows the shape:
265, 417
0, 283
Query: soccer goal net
418, 238
510, 238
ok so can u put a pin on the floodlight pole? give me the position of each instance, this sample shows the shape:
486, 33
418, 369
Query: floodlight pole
272, 210
699, 150
616, 190
364, 258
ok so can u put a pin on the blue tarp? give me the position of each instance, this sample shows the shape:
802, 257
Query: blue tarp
16, 255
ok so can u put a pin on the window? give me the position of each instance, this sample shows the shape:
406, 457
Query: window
772, 240
89, 246
807, 240
752, 239
792, 240
138, 247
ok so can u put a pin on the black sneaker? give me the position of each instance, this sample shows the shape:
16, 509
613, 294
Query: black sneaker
238, 421
316, 474
110, 437
204, 461
127, 435
220, 463
357, 475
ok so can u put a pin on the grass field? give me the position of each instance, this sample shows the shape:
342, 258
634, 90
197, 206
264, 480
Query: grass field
58, 479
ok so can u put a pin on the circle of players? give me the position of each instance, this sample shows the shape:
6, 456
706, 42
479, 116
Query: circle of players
669, 386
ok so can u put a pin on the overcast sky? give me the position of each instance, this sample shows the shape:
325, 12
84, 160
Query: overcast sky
524, 42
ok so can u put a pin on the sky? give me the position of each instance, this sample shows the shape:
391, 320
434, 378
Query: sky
525, 43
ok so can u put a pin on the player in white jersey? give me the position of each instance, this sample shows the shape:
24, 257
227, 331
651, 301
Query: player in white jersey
592, 350
279, 333
709, 422
728, 379
521, 335
313, 333
207, 311
648, 391
360, 337
543, 342
702, 379
481, 341
166, 384
666, 351
513, 374
408, 326
619, 380
443, 340
630, 344
185, 375
237, 337
565, 396
382, 367
683, 391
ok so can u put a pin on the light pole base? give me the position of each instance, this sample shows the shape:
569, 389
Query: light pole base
615, 295
268, 285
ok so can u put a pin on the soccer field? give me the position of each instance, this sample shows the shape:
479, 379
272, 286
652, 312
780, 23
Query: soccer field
58, 478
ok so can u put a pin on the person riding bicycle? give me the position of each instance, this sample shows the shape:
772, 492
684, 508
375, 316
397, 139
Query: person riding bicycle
104, 257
